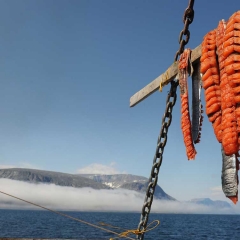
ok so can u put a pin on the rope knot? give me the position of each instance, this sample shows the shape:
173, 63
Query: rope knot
133, 231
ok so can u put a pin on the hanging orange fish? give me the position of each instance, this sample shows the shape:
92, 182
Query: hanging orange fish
220, 66
185, 117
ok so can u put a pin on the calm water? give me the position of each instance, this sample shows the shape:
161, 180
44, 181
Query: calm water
42, 224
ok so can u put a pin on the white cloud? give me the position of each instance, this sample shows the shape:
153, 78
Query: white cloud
7, 166
88, 199
216, 190
97, 168
216, 193
28, 165
20, 165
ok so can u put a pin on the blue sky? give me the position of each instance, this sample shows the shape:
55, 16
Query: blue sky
68, 70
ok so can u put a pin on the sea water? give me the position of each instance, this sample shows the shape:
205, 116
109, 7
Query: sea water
43, 224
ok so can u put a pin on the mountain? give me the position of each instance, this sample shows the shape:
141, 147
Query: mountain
211, 203
57, 178
128, 181
96, 181
125, 181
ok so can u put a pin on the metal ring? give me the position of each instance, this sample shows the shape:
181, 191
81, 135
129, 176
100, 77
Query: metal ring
189, 13
180, 37
186, 25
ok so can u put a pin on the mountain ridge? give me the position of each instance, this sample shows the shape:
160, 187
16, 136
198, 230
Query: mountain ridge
96, 181
42, 176
209, 202
130, 182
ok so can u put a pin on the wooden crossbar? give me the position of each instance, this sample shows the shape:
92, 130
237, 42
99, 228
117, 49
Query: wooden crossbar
165, 78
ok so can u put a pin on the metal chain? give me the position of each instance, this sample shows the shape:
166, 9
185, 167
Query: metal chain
166, 121
157, 160
187, 20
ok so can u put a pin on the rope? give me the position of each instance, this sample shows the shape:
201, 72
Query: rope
123, 234
134, 231
65, 215
163, 79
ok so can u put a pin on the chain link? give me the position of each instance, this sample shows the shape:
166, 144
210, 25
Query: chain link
187, 20
157, 160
